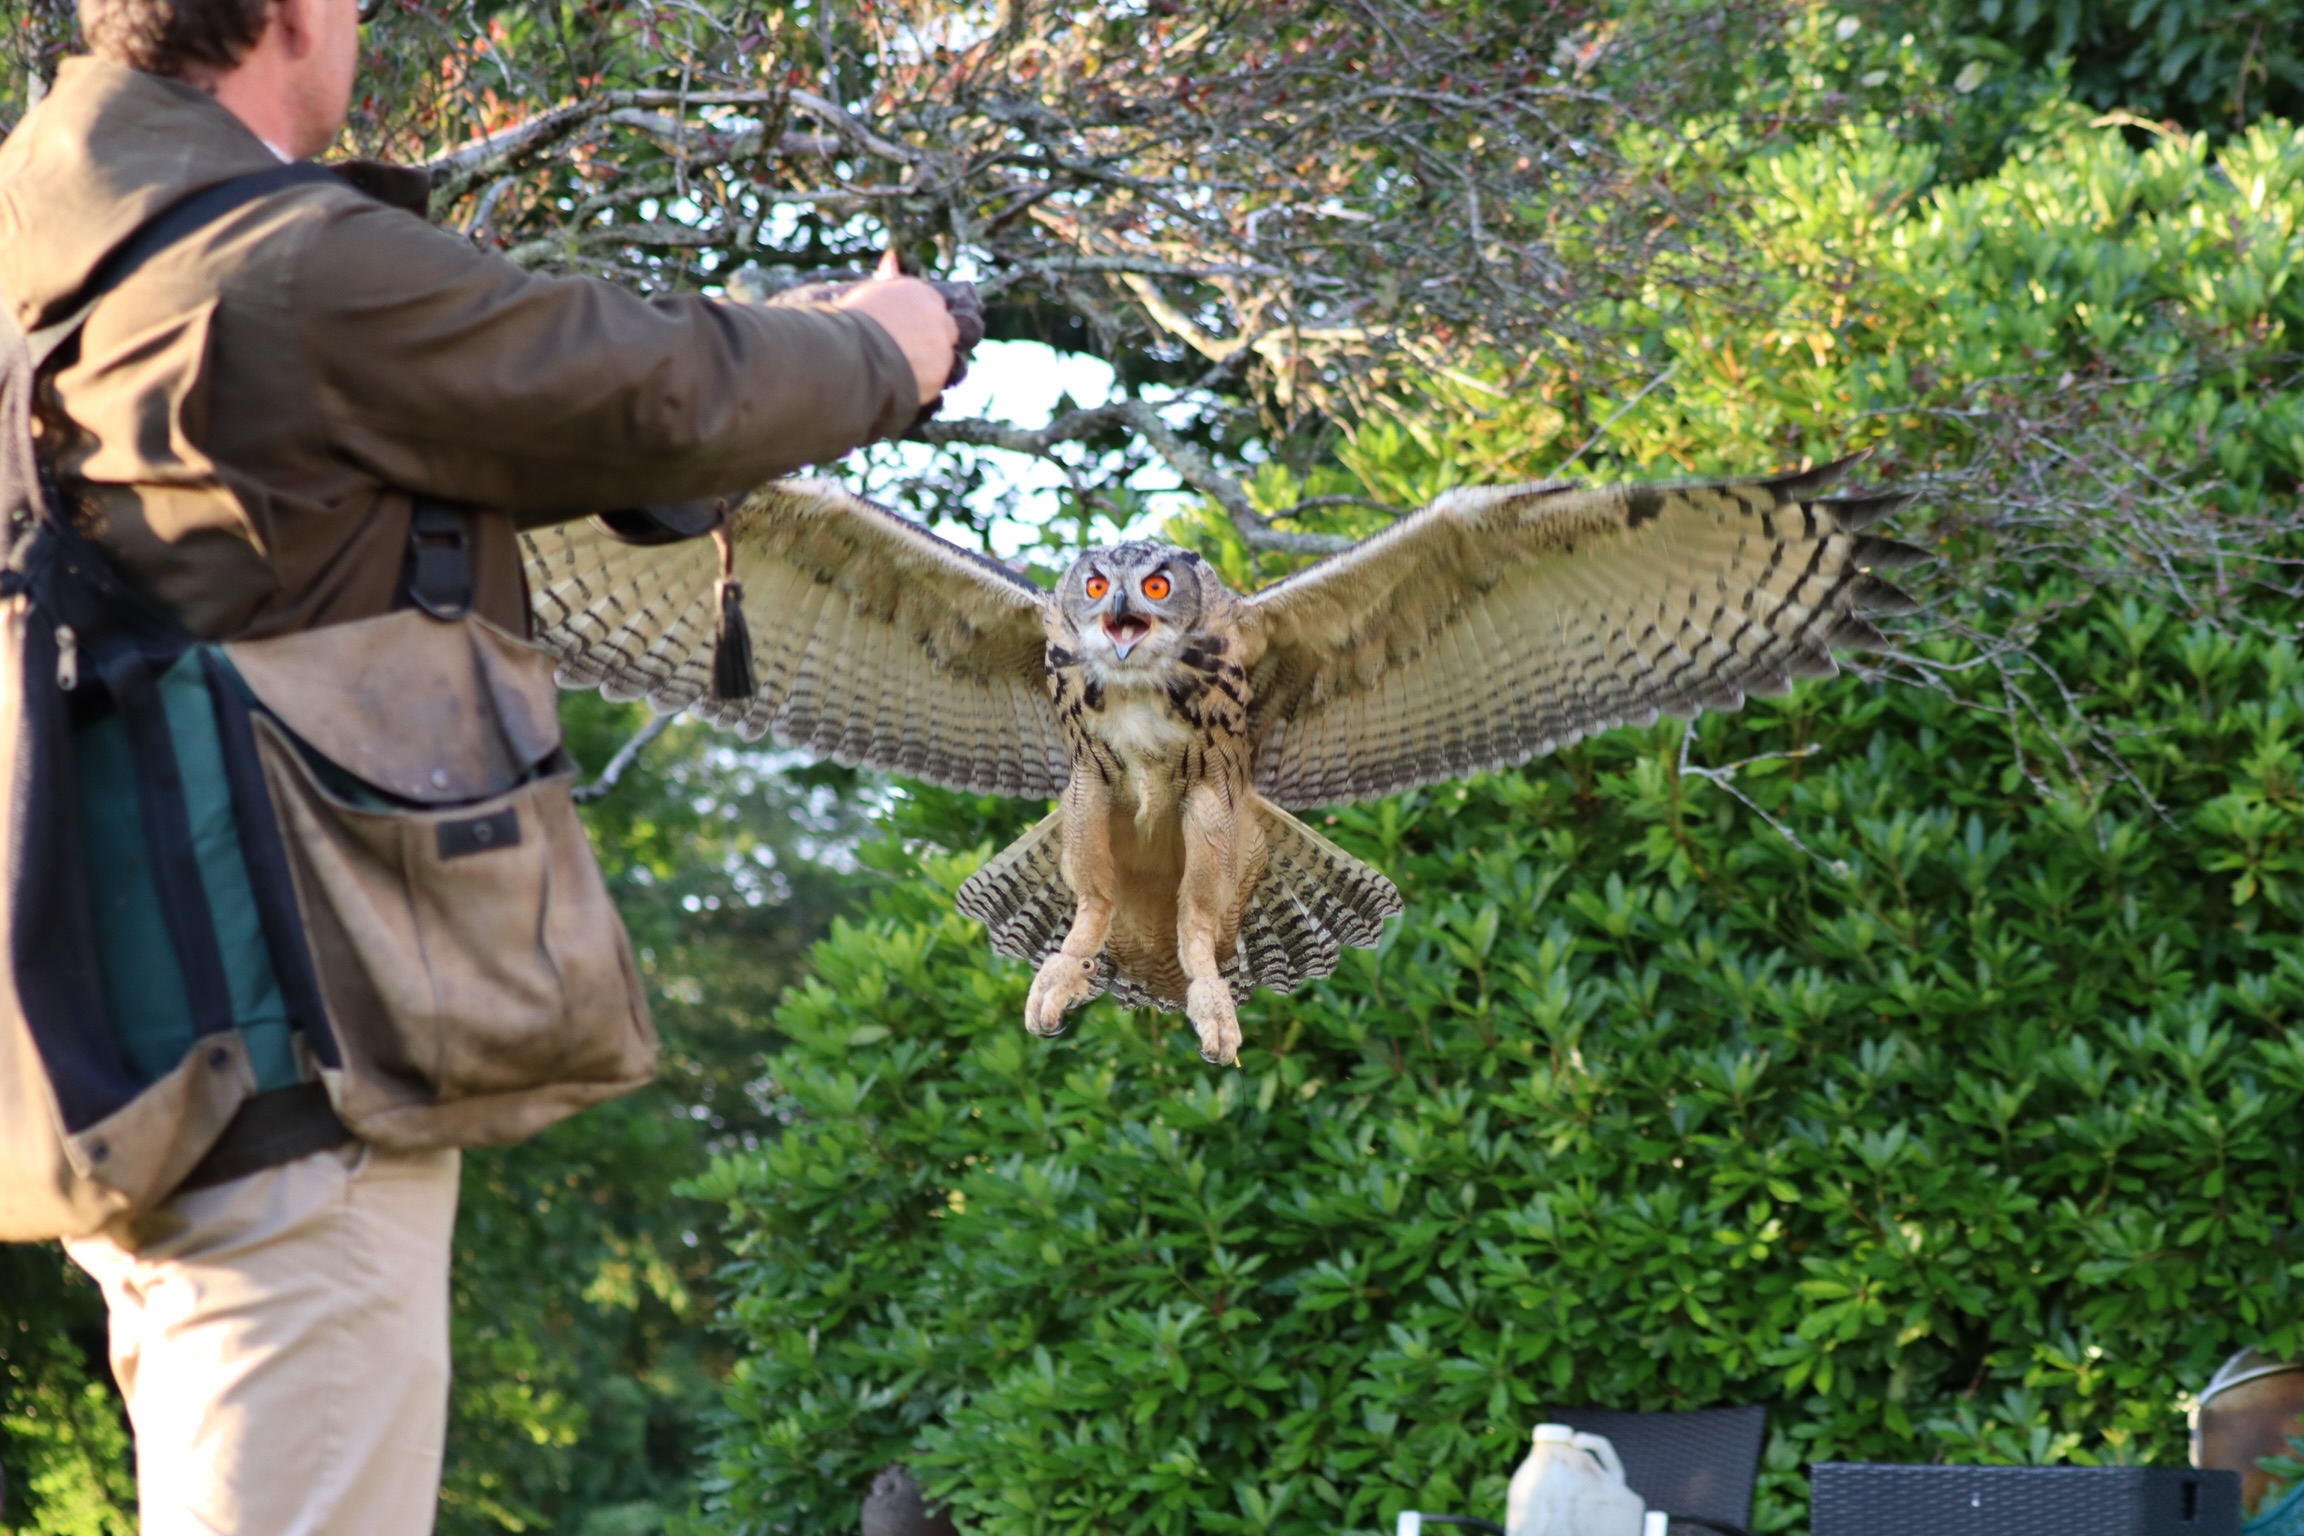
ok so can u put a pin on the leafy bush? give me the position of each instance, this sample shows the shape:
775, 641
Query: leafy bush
1968, 1135
1930, 1076
2203, 63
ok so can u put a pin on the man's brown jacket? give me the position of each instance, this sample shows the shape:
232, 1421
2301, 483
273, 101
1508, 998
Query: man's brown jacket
257, 404
251, 414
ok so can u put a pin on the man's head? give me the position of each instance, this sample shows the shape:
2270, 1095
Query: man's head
283, 67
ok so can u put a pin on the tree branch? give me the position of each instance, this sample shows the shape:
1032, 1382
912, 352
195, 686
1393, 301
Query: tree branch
458, 171
1314, 503
853, 131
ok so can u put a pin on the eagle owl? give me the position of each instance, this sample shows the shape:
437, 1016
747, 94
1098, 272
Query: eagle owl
1177, 723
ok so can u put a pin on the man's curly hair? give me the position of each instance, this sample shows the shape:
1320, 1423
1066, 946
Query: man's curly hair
169, 37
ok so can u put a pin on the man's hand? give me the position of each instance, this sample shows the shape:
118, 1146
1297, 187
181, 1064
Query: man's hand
916, 317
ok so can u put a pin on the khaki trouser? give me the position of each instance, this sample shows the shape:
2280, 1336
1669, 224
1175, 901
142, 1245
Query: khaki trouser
282, 1342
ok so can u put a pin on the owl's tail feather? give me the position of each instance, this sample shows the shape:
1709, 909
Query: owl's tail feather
1021, 895
1313, 900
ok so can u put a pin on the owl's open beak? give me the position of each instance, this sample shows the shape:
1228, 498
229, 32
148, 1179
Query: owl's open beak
1125, 630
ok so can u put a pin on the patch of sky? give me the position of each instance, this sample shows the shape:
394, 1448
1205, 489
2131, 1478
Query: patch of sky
1023, 383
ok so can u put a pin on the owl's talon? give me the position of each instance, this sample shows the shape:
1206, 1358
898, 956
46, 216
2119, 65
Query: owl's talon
1064, 983
1208, 1003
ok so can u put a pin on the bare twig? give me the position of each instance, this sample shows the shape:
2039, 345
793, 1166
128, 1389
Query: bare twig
1725, 778
1618, 415
621, 763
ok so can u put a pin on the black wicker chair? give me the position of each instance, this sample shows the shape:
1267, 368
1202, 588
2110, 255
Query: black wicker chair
1861, 1499
1698, 1466
1412, 1523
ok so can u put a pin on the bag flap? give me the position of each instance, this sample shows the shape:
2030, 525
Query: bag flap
431, 711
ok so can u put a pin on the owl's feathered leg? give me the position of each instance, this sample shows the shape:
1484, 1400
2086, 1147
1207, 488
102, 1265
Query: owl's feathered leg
1067, 978
1206, 901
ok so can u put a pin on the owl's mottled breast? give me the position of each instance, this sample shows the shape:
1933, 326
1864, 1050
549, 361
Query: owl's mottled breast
1194, 704
1207, 686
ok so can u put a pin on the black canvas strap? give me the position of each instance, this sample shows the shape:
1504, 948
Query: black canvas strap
50, 918
268, 1130
270, 883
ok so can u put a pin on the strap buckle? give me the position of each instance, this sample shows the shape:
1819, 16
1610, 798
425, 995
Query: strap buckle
438, 576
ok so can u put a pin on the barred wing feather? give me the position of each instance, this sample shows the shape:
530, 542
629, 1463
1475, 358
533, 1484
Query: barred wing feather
1501, 623
874, 642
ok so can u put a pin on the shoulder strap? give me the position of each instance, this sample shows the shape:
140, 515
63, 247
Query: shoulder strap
162, 230
437, 575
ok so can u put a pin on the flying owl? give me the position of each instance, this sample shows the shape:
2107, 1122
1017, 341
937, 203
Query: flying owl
1177, 722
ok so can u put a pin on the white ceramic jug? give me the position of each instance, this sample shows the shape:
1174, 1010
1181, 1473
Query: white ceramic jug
1571, 1485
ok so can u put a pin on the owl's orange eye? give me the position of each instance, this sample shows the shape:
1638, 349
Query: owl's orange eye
1155, 588
1097, 587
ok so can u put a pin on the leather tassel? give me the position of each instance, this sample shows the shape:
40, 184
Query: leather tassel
732, 675
732, 648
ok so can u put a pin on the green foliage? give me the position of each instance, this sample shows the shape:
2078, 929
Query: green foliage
2093, 353
2286, 1470
1968, 1134
1929, 1075
585, 1372
63, 1443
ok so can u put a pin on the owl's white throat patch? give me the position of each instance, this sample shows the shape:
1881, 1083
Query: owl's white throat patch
1142, 731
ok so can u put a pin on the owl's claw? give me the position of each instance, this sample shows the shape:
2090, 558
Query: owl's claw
1064, 982
1208, 1003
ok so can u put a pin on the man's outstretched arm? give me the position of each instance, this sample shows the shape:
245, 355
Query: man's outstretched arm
448, 371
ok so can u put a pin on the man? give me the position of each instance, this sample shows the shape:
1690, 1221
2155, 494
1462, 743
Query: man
250, 416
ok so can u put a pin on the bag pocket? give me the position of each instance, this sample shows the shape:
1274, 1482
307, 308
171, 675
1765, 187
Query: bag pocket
476, 978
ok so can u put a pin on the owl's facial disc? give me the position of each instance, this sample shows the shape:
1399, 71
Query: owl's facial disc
1138, 599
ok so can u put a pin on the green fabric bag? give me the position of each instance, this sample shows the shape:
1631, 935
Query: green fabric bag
143, 983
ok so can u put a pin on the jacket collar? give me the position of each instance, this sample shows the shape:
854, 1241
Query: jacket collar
106, 149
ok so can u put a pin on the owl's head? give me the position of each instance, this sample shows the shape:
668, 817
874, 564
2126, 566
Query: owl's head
1132, 604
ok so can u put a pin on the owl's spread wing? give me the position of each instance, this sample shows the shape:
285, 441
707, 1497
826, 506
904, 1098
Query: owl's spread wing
1500, 623
874, 642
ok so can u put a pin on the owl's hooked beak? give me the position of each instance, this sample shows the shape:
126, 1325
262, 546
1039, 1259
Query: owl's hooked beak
1125, 630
